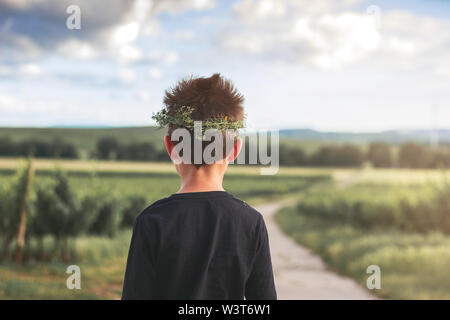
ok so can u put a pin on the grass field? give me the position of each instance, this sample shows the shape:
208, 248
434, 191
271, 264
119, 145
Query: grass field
363, 224
360, 175
413, 265
102, 260
102, 263
155, 180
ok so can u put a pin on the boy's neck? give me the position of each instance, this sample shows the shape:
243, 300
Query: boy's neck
203, 179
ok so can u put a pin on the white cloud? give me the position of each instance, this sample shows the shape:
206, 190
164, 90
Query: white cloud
155, 73
125, 34
21, 4
128, 53
167, 57
127, 76
77, 49
144, 96
30, 69
250, 10
337, 40
14, 105
183, 35
170, 58
177, 6
5, 70
308, 32
332, 35
10, 104
109, 28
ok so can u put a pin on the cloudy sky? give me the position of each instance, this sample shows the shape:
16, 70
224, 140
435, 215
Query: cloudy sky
346, 65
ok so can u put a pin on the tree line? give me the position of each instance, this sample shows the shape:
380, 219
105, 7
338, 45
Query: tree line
38, 148
109, 148
379, 154
56, 211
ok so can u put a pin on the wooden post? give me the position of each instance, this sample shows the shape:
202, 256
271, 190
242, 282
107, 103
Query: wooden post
23, 214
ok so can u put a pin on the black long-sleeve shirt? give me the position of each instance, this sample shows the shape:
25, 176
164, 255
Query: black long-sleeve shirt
199, 245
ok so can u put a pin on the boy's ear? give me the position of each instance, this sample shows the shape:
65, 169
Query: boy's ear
236, 149
169, 145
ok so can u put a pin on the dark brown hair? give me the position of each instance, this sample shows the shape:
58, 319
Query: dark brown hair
210, 98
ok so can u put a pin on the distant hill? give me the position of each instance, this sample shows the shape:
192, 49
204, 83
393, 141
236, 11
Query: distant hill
393, 136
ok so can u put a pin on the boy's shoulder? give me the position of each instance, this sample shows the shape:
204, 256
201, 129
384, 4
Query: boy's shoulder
173, 204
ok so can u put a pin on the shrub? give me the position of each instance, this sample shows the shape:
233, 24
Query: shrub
413, 155
134, 206
107, 218
12, 202
380, 155
340, 156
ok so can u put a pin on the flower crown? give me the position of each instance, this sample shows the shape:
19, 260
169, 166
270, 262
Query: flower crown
182, 118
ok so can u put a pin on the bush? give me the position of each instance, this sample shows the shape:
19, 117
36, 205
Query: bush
7, 221
12, 201
413, 155
107, 148
338, 156
137, 151
379, 155
110, 148
38, 149
57, 216
107, 218
134, 206
7, 147
59, 213
292, 156
441, 158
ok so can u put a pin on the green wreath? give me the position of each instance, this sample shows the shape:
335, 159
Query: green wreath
182, 118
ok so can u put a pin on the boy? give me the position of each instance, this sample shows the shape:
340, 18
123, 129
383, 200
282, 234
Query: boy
201, 242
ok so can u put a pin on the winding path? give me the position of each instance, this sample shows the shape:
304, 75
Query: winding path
300, 274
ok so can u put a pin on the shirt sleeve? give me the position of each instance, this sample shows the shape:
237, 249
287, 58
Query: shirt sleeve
139, 282
260, 284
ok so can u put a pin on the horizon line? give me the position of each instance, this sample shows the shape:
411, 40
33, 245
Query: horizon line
98, 126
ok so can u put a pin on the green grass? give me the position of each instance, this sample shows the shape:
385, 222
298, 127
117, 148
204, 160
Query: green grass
154, 185
414, 208
413, 265
345, 227
102, 260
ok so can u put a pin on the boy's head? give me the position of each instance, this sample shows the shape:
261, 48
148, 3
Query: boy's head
212, 100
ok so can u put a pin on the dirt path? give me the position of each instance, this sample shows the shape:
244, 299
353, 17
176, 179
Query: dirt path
300, 274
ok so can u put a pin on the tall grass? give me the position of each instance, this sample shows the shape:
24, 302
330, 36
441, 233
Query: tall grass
413, 265
417, 209
402, 229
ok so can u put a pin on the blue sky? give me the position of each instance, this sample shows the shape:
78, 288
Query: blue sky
328, 65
